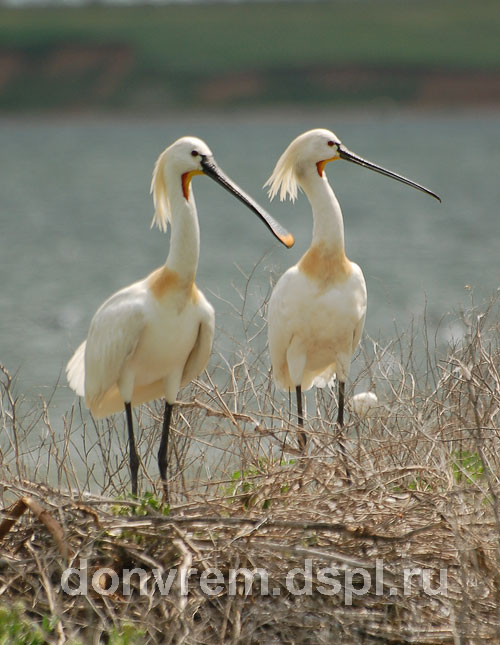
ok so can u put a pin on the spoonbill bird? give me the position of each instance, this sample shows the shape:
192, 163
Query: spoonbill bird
317, 309
153, 337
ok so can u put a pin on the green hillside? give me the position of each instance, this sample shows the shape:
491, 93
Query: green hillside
229, 53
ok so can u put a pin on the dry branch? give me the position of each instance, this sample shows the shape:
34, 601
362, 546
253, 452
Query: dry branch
425, 473
43, 516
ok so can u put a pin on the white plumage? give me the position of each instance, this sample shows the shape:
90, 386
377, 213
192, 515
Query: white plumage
140, 348
315, 326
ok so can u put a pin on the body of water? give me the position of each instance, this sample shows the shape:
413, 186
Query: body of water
75, 212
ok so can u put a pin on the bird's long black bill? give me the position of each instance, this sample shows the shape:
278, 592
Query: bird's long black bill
347, 155
211, 169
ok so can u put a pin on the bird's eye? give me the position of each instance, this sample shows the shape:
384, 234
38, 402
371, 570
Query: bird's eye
194, 153
331, 143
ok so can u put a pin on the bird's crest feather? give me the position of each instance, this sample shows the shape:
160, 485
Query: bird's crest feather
160, 194
284, 176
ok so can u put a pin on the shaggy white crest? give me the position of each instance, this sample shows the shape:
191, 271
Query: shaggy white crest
311, 146
160, 194
283, 177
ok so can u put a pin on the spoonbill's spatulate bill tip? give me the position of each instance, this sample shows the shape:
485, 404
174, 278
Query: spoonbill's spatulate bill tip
288, 240
211, 169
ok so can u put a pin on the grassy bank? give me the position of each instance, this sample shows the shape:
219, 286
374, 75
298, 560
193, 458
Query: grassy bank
252, 35
424, 498
230, 54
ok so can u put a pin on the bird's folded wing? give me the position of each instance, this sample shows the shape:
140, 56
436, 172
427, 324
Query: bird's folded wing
200, 354
113, 336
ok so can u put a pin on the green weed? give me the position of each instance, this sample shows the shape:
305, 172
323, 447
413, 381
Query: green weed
246, 482
126, 634
16, 627
467, 466
147, 503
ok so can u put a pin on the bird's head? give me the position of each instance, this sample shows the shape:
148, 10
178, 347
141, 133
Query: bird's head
314, 149
183, 158
186, 154
189, 156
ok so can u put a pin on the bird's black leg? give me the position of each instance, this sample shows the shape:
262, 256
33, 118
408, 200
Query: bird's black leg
162, 452
302, 435
340, 422
134, 457
340, 415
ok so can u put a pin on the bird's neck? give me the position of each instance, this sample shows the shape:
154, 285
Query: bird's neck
328, 225
185, 232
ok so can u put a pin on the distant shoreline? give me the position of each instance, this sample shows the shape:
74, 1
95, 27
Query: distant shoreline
90, 78
279, 113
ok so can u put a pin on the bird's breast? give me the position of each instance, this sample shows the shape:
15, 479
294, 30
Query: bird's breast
167, 340
298, 296
322, 317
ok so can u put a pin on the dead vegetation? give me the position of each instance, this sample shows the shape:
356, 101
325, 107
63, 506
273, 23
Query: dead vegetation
269, 546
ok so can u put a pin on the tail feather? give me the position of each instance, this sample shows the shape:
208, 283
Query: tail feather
75, 370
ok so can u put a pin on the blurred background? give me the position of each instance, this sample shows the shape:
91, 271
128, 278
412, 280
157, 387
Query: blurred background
91, 93
77, 55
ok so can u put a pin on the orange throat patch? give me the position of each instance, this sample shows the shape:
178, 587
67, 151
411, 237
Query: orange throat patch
321, 164
186, 181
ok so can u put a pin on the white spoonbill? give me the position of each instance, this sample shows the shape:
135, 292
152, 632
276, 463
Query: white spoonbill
317, 309
153, 337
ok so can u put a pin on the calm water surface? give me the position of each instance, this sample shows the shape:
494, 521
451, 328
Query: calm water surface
75, 214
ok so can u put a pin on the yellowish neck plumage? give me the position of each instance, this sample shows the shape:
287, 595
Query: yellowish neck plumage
325, 260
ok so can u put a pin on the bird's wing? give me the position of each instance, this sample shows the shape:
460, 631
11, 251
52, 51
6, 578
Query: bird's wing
114, 333
357, 332
281, 320
200, 354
